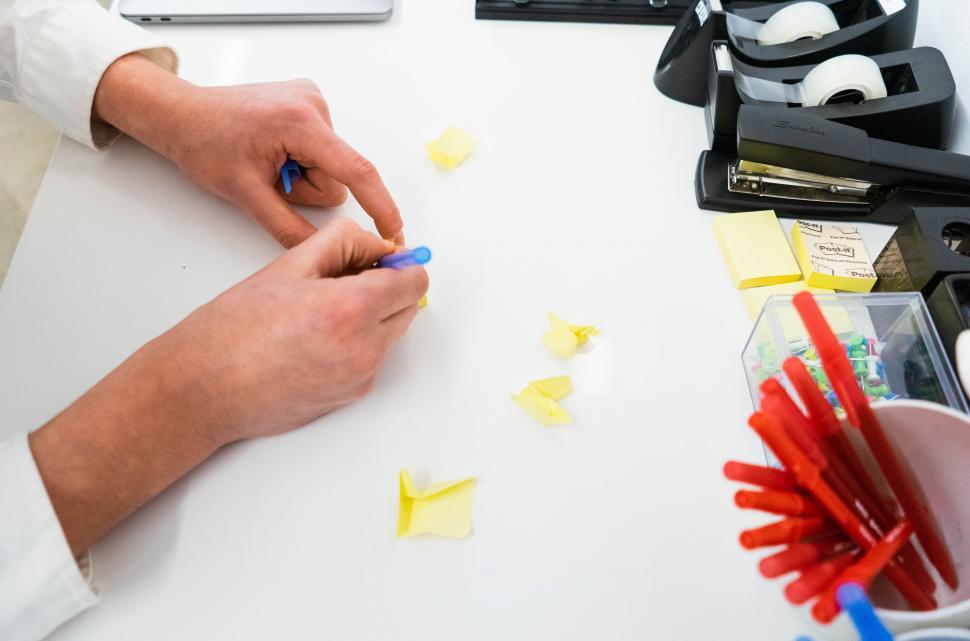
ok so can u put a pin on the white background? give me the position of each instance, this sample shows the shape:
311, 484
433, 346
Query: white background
579, 199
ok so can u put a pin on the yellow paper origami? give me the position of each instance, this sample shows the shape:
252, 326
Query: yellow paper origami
451, 148
539, 400
423, 302
562, 339
441, 509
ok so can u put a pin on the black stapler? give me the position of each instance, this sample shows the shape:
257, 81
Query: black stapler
866, 27
920, 90
802, 166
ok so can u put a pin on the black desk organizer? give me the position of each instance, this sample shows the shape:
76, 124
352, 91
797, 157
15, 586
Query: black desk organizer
664, 12
922, 96
682, 70
929, 245
949, 305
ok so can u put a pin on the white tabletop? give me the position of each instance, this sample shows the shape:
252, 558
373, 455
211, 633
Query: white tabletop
579, 199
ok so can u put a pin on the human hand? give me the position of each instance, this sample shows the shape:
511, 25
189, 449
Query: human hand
301, 337
233, 140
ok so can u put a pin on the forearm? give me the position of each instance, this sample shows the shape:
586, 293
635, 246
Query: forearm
144, 101
122, 443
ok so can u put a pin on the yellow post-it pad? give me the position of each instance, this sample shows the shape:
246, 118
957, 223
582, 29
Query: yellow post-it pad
562, 338
791, 324
451, 148
441, 509
833, 256
755, 249
539, 398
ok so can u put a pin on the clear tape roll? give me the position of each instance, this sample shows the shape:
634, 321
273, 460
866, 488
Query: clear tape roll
788, 24
828, 79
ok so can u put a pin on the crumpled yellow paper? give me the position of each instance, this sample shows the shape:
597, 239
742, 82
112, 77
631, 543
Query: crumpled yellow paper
562, 338
441, 509
423, 302
451, 148
539, 400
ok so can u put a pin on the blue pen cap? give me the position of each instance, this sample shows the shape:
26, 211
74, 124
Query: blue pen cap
854, 601
406, 258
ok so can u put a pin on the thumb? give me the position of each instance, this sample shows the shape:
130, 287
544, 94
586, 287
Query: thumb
339, 247
275, 215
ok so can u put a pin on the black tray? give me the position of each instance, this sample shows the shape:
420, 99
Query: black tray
666, 12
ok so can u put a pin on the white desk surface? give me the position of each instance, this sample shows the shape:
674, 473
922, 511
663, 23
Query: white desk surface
579, 199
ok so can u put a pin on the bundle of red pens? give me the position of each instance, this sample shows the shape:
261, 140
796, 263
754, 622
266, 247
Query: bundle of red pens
839, 526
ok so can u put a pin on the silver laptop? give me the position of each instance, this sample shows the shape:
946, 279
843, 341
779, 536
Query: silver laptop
175, 11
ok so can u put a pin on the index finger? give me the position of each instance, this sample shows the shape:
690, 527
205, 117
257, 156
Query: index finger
330, 153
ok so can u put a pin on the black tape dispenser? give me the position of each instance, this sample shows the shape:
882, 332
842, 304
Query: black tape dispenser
874, 94
807, 167
773, 34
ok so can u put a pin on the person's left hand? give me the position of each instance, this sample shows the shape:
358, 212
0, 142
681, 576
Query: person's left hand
233, 140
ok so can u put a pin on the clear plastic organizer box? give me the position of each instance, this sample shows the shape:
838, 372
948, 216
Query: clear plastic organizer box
889, 338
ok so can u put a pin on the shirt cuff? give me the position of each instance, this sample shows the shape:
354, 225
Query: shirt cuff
66, 58
41, 584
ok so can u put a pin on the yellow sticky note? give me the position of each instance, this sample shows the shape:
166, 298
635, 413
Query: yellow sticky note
441, 509
423, 302
791, 324
562, 338
755, 249
539, 400
451, 148
833, 256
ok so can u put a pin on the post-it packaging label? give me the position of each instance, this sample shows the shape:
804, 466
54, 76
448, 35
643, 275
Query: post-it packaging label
833, 257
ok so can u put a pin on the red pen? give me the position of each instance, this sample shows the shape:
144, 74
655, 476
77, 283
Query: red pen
846, 475
784, 503
812, 581
790, 530
863, 572
801, 555
766, 477
810, 478
860, 414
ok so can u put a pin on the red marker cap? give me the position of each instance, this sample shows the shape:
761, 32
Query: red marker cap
785, 503
815, 579
766, 477
801, 555
783, 532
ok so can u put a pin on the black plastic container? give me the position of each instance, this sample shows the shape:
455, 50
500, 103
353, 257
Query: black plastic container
922, 94
682, 70
929, 245
949, 305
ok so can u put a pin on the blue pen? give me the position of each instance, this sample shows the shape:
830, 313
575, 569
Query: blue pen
406, 258
290, 173
854, 601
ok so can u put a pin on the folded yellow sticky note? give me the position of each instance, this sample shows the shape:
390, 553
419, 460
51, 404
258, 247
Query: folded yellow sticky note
791, 323
539, 400
833, 256
451, 148
755, 249
423, 301
562, 339
442, 509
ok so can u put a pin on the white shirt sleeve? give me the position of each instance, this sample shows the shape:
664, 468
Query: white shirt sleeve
41, 584
54, 52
